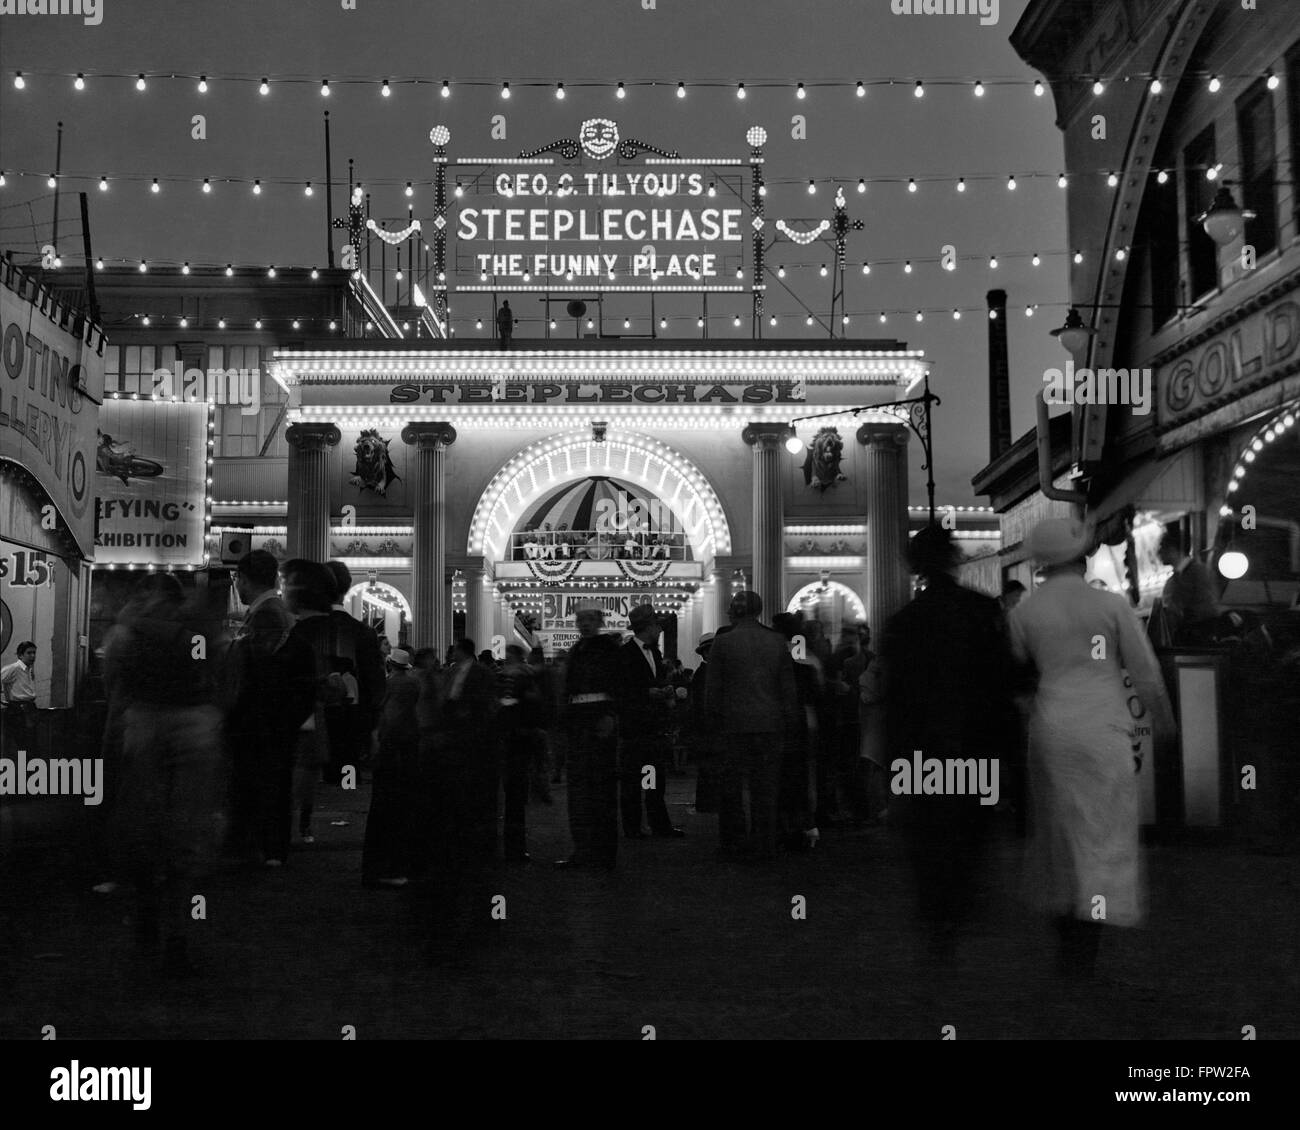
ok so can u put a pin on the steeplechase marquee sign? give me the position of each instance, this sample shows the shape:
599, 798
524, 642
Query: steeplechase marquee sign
598, 392
653, 221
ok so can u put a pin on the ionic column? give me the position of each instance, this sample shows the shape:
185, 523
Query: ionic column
479, 610
309, 489
768, 442
431, 610
886, 584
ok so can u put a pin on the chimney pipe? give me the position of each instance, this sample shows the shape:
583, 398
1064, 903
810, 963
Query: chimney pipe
999, 376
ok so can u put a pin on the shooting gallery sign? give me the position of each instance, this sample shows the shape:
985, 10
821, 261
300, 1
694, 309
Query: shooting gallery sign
655, 223
48, 404
151, 480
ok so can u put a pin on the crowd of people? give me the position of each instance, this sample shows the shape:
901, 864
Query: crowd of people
220, 747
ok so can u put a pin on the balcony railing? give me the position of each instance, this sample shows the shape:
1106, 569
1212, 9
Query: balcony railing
598, 545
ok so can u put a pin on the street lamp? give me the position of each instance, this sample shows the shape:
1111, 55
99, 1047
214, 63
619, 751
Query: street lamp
1074, 335
1223, 220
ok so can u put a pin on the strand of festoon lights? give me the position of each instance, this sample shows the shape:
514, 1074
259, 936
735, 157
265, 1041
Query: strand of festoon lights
384, 86
305, 187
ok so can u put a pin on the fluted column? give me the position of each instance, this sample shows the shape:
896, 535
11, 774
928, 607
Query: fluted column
768, 442
479, 617
431, 611
309, 489
886, 584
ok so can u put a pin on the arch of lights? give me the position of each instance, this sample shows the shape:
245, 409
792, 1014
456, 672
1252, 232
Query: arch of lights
387, 595
639, 459
1276, 427
818, 589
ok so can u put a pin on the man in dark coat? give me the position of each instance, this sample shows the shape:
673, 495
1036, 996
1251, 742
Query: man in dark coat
589, 719
350, 725
752, 698
948, 677
704, 742
643, 721
388, 857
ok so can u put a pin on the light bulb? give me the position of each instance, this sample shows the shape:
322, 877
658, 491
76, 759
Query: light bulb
681, 90
315, 273
823, 272
911, 184
907, 267
307, 189
264, 87
559, 91
185, 267
1162, 177
961, 184
919, 89
919, 316
979, 90
103, 184
1038, 88
1098, 87
324, 88
1215, 84
270, 272
956, 314
772, 321
740, 90
861, 90
258, 324
385, 90
143, 266
1011, 183
621, 92
736, 321
1061, 181
780, 272
99, 264
1078, 257
139, 82
1035, 260
409, 190
19, 81
446, 89
808, 321
812, 187
1029, 311
799, 91
207, 185
155, 187
1156, 86
993, 263
257, 188
1272, 81
1112, 180
79, 83
866, 268
230, 270
793, 444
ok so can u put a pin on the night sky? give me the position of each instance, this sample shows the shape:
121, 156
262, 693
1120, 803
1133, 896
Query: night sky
112, 129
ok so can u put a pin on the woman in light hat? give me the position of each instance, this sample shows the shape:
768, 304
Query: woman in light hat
1083, 780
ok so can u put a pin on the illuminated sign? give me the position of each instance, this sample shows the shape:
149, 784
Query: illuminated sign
598, 392
668, 220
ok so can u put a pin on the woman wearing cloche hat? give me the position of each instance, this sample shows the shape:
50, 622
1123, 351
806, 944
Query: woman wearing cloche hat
1083, 776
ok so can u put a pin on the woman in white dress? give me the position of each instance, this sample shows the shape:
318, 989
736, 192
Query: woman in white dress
1084, 854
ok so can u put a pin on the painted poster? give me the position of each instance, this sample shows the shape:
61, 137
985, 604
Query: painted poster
48, 403
151, 476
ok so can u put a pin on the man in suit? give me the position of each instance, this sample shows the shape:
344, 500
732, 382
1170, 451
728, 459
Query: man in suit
752, 699
643, 717
350, 725
948, 681
589, 719
270, 681
1188, 601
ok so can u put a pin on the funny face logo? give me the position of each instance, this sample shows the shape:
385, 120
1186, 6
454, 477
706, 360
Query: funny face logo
598, 136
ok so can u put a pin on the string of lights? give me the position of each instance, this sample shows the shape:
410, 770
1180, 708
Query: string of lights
978, 86
306, 188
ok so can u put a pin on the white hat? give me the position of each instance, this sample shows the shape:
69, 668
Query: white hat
1058, 541
706, 641
399, 657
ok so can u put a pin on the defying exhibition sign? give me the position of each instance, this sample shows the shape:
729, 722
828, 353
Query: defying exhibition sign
151, 479
53, 381
665, 222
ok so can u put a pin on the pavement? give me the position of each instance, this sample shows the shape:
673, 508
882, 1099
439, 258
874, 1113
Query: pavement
673, 940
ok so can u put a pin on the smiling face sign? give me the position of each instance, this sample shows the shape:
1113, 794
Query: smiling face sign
599, 137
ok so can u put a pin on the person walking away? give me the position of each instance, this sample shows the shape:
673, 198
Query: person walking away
752, 698
643, 723
1085, 866
703, 740
948, 684
517, 700
270, 691
165, 827
797, 823
351, 724
391, 843
589, 720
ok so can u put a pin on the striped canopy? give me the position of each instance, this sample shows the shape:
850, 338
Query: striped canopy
578, 505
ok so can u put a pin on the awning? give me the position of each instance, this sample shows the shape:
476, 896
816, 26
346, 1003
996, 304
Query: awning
1172, 486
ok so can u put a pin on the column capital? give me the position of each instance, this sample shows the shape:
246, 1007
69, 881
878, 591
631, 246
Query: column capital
882, 434
312, 437
766, 434
436, 434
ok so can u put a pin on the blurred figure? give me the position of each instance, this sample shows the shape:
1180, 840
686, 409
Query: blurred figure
850, 772
269, 692
505, 325
873, 749
463, 778
165, 827
517, 699
795, 791
589, 720
1013, 592
388, 858
1083, 778
543, 718
948, 682
708, 771
643, 722
752, 697
350, 724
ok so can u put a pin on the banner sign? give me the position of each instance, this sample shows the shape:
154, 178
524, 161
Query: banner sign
48, 409
151, 480
662, 223
559, 609
598, 392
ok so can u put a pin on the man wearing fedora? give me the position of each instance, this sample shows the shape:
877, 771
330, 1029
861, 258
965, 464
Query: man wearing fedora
1083, 775
643, 716
752, 698
589, 719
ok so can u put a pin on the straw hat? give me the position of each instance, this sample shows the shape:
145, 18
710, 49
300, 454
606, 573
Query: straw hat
706, 642
399, 657
1058, 541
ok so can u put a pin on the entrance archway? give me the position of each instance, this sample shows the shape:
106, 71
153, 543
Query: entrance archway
631, 457
381, 605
